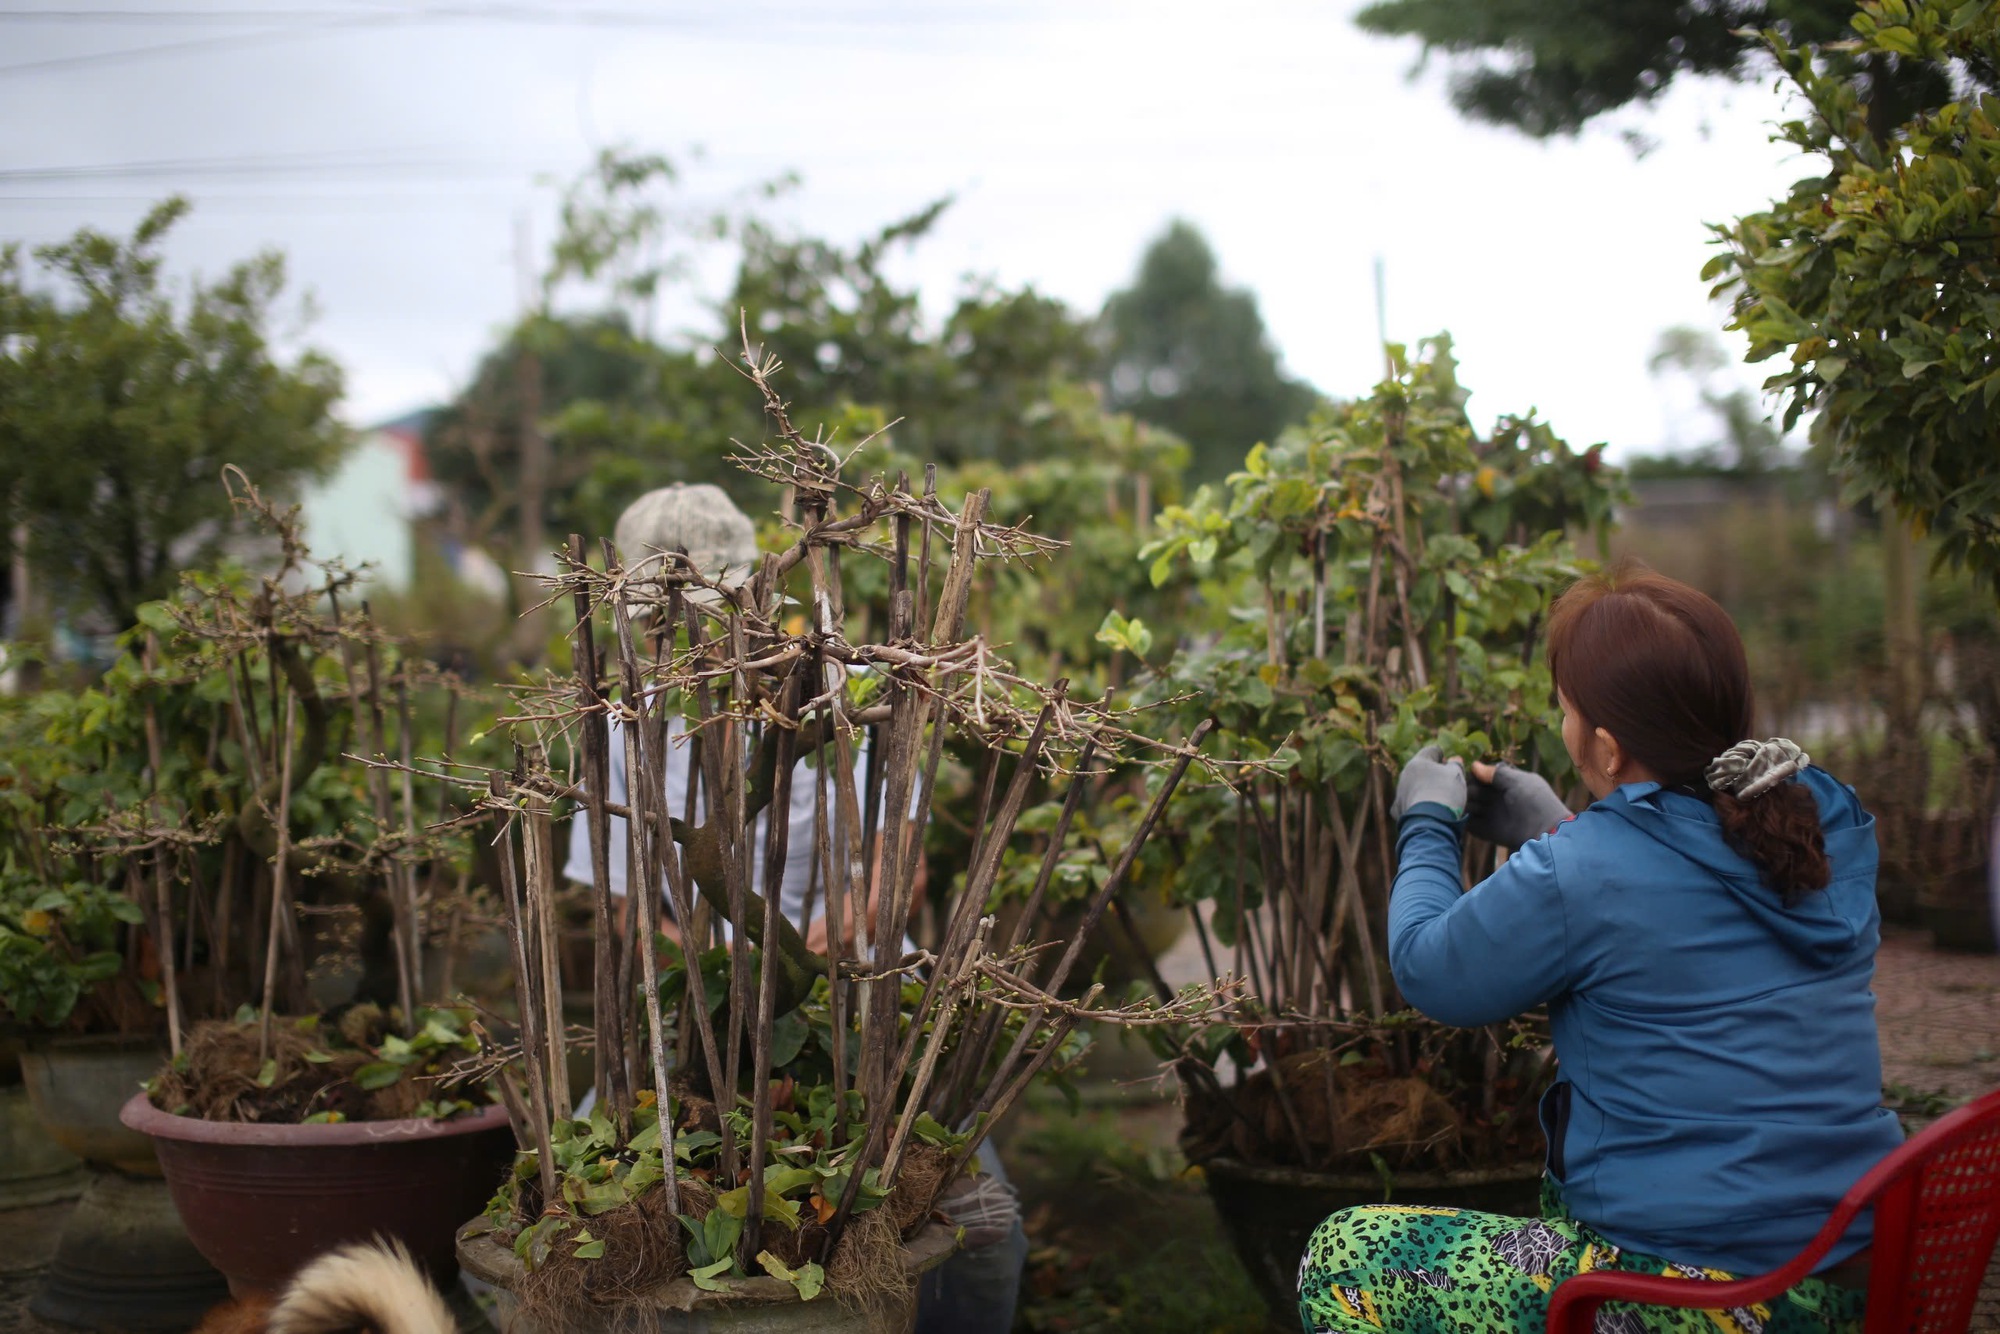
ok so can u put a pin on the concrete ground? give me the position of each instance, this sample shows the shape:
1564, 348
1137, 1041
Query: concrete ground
1940, 1023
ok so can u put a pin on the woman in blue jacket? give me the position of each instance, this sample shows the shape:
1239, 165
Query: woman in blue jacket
1704, 936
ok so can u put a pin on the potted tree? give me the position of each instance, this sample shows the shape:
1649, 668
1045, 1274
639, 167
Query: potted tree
282, 850
1376, 581
80, 992
773, 1123
192, 865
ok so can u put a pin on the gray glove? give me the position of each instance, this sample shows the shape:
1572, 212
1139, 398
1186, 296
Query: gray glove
1429, 777
1516, 807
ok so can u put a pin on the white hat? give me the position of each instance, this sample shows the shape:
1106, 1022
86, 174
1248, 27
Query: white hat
701, 520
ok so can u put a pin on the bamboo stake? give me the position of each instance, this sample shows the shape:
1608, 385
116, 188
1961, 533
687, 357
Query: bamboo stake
607, 1017
402, 889
778, 835
545, 947
409, 870
279, 865
537, 1058
163, 904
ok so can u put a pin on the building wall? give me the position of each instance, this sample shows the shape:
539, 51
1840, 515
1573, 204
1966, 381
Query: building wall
361, 514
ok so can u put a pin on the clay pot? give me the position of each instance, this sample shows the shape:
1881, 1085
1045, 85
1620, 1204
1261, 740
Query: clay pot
77, 1086
122, 1261
34, 1169
1958, 908
260, 1201
759, 1305
1269, 1213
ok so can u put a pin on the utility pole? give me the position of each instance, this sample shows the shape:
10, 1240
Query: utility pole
531, 539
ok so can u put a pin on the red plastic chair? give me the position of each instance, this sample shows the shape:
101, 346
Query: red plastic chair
1937, 1214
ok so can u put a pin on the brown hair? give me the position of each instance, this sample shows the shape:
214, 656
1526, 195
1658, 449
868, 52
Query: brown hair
1659, 666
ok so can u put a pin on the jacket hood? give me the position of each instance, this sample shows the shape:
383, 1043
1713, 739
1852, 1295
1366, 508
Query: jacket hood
1823, 925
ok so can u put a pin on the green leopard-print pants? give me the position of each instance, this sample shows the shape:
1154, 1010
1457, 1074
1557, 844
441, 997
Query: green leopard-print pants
1418, 1270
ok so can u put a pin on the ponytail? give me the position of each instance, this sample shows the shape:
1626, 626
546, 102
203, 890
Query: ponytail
1767, 817
1779, 832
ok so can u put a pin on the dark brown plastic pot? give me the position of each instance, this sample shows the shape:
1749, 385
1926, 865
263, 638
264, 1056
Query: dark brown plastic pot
260, 1201
1269, 1213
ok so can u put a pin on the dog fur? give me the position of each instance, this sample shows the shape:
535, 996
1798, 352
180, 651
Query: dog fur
371, 1289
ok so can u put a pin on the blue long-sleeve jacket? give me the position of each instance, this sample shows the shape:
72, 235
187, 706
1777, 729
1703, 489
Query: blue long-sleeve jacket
1721, 1080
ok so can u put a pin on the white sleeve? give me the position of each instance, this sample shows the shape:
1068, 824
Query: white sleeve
577, 866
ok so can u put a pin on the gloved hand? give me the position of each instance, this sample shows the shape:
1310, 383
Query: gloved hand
1513, 807
1430, 777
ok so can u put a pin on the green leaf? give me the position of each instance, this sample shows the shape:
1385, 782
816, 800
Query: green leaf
807, 1279
704, 1277
156, 617
377, 1075
268, 1074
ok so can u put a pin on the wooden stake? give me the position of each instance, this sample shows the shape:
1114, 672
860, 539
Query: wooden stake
279, 865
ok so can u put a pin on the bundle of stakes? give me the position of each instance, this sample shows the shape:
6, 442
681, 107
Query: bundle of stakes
925, 1048
277, 834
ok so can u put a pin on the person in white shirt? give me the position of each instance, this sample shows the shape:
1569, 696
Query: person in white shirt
973, 1292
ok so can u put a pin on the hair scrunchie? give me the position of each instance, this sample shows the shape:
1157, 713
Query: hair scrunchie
1752, 768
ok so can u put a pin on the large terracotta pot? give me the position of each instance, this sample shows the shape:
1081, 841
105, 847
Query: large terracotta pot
1270, 1212
261, 1201
34, 1169
77, 1086
750, 1306
122, 1260
1958, 908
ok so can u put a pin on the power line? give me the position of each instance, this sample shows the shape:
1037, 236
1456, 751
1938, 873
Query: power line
316, 166
294, 23
534, 14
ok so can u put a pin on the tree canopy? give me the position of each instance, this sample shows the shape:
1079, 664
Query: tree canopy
1188, 354
1876, 281
1546, 66
620, 412
120, 404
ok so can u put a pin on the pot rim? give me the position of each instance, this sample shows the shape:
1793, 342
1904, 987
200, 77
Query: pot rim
1525, 1170
139, 1114
92, 1044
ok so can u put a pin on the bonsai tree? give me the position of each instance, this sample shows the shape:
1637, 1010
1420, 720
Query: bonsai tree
1377, 581
765, 1111
191, 839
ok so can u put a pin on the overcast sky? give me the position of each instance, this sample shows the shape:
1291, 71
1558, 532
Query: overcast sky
392, 158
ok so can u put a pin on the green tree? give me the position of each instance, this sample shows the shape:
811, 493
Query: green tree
572, 416
121, 402
1186, 353
1876, 280
1546, 68
849, 335
1743, 440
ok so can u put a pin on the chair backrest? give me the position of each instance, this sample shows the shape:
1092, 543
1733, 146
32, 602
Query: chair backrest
1937, 1216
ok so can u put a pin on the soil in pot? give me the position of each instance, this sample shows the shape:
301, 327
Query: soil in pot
748, 1306
1269, 1213
1278, 1157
